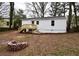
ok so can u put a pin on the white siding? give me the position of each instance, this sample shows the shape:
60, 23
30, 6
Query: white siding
45, 25
26, 22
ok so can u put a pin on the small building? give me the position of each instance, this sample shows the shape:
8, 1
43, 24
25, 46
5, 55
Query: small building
48, 24
4, 23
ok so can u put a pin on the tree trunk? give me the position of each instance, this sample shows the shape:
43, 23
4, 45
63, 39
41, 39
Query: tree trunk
73, 3
69, 17
42, 9
11, 13
64, 8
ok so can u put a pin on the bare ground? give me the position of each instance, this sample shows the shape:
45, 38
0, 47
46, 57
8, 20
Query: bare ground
41, 44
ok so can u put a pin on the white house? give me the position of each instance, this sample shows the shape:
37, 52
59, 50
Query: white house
48, 24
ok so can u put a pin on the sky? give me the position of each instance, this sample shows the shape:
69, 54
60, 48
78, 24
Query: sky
20, 5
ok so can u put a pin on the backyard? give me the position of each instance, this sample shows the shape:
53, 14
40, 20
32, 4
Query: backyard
41, 44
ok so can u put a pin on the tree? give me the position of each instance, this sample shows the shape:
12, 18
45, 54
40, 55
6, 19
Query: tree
17, 23
0, 11
38, 9
58, 8
0, 3
73, 3
70, 16
20, 14
55, 8
42, 8
11, 13
5, 9
64, 6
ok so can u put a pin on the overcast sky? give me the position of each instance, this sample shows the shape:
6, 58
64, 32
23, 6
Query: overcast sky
20, 5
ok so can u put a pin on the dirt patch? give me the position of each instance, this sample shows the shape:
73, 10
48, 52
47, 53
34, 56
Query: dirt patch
43, 44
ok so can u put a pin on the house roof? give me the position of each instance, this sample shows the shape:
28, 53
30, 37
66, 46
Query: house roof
47, 18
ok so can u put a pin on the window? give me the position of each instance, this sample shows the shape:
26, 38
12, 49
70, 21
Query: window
37, 22
32, 22
7, 23
52, 23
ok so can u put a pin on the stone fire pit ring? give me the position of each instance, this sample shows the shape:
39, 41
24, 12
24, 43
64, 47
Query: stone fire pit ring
15, 46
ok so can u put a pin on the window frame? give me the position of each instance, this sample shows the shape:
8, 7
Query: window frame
52, 23
8, 23
32, 22
37, 22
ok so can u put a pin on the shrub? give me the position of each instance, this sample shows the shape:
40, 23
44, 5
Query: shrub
17, 23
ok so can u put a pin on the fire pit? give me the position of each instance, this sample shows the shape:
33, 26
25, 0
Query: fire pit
15, 46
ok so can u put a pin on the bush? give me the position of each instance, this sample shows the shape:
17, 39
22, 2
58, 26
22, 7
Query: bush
17, 23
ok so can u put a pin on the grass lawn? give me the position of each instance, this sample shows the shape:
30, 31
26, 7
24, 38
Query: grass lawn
43, 44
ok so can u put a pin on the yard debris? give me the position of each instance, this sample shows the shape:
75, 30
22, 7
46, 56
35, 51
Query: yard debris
15, 46
27, 28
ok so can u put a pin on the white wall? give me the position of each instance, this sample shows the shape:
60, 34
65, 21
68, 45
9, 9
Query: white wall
45, 26
26, 22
